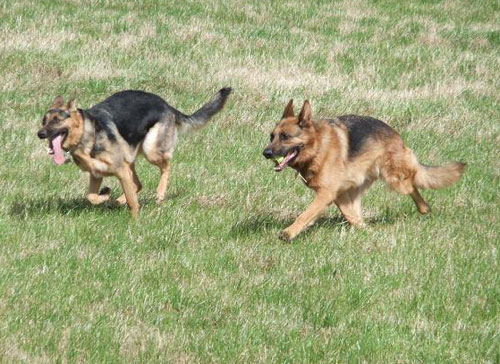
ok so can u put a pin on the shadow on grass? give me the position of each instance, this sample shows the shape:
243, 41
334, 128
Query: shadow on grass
72, 206
255, 223
382, 220
259, 223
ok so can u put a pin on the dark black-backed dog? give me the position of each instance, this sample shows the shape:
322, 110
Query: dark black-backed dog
106, 139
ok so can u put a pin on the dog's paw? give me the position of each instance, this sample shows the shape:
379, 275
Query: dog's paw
424, 209
122, 200
105, 191
285, 236
358, 225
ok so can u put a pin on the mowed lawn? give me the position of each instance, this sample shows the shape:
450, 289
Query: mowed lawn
203, 278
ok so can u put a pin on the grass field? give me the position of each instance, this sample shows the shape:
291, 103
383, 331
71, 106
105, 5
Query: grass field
203, 277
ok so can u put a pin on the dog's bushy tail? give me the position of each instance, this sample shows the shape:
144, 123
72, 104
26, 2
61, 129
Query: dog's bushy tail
438, 176
200, 117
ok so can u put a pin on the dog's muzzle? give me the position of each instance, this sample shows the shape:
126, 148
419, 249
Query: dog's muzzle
268, 153
42, 134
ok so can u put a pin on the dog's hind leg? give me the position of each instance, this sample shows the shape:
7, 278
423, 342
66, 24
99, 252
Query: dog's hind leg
422, 206
406, 187
162, 186
399, 173
122, 200
94, 196
158, 148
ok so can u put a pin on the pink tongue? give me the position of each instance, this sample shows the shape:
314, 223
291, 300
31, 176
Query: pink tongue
58, 152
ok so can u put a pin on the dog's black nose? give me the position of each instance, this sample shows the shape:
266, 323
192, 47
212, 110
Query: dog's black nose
268, 153
42, 134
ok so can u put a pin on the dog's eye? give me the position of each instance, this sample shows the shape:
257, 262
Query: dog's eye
284, 136
272, 137
63, 115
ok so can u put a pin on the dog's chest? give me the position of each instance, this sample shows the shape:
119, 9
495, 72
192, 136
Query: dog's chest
306, 175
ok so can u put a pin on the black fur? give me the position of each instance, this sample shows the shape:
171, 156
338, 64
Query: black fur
133, 113
96, 149
101, 123
360, 129
208, 110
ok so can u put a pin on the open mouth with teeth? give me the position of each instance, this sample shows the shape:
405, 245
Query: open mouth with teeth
55, 147
289, 157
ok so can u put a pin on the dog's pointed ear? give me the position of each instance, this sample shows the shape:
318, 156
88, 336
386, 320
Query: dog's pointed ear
71, 105
288, 110
58, 102
305, 115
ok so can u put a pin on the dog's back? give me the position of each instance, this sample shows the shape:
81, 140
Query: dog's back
133, 113
360, 129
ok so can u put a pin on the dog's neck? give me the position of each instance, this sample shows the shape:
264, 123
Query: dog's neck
311, 161
77, 131
81, 150
85, 136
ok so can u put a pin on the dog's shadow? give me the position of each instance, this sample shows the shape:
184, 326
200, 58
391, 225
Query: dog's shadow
72, 206
259, 223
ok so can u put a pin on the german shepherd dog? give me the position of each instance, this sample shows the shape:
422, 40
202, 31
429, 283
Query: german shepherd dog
106, 139
339, 158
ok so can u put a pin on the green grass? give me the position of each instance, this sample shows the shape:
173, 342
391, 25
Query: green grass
203, 277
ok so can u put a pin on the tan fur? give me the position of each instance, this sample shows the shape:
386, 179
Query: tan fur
149, 126
438, 177
116, 159
76, 125
326, 168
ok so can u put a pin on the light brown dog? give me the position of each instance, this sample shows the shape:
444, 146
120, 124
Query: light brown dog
339, 158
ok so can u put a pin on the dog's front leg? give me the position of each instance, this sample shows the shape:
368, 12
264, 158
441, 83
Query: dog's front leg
94, 196
126, 177
322, 200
